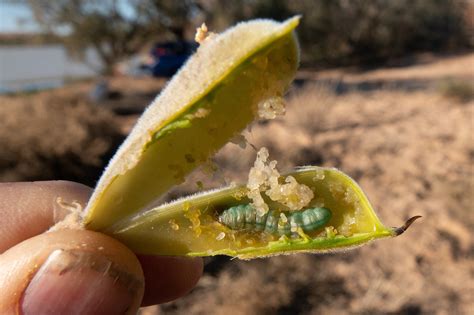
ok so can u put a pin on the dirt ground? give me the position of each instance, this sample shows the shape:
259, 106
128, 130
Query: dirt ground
402, 133
62, 134
411, 148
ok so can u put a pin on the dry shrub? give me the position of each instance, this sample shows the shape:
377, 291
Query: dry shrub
459, 90
371, 31
52, 136
363, 32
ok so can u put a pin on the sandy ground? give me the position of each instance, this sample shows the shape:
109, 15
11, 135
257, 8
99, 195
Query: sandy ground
62, 134
395, 131
412, 149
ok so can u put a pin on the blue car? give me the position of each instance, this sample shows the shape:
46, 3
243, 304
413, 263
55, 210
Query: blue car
168, 57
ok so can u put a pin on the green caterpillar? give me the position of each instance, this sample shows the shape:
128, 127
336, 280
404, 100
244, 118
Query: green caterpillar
244, 217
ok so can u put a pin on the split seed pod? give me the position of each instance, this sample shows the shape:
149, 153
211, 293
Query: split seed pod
209, 101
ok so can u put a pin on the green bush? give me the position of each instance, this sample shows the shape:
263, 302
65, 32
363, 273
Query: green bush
343, 32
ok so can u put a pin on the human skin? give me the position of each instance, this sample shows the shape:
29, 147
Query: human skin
75, 271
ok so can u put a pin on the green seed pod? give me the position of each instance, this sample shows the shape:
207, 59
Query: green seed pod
232, 79
191, 226
211, 99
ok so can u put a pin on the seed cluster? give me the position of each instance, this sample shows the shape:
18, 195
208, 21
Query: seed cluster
264, 177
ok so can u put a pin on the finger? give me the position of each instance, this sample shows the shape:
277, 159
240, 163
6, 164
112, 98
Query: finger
26, 209
168, 278
70, 272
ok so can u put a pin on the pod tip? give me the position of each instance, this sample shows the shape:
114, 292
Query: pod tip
405, 226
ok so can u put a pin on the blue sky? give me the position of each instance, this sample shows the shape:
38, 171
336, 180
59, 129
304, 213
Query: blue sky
16, 18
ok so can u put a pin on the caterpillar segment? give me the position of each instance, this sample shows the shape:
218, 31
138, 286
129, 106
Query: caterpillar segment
245, 217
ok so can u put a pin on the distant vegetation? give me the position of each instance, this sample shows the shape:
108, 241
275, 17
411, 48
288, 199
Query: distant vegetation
115, 29
459, 90
341, 32
28, 39
55, 135
333, 32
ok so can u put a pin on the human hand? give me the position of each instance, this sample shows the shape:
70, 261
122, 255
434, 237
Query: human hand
76, 271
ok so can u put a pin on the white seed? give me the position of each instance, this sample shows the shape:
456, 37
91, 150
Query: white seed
271, 108
264, 177
220, 236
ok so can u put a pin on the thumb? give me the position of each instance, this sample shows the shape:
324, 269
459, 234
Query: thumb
70, 272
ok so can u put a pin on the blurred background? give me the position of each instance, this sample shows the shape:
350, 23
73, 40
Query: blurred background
385, 93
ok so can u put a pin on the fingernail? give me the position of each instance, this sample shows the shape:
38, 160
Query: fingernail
78, 282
